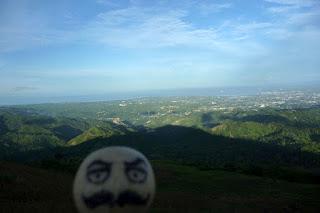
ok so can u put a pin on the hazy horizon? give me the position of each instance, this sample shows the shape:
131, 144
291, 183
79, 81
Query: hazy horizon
69, 48
126, 95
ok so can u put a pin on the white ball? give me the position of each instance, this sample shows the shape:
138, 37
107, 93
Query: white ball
114, 179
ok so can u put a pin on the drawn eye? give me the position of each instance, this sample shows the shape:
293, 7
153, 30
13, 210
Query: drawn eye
137, 175
98, 172
98, 177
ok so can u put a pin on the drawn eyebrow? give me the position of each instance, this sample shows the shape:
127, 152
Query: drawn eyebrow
98, 165
99, 169
135, 167
134, 163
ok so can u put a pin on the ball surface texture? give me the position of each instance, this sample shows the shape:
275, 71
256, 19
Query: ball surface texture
115, 180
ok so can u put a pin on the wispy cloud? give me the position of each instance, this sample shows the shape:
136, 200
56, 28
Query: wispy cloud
156, 27
107, 3
297, 3
21, 27
305, 18
141, 28
173, 39
147, 28
13, 39
24, 88
209, 7
297, 11
293, 18
2, 63
70, 73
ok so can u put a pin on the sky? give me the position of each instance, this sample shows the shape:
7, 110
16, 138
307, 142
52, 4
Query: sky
71, 47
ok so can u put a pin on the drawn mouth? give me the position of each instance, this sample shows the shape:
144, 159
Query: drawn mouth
126, 197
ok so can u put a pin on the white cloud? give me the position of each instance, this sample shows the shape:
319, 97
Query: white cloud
297, 3
293, 17
21, 27
304, 18
132, 27
143, 28
2, 63
24, 88
251, 28
147, 28
278, 33
209, 7
282, 9
139, 27
108, 3
298, 12
49, 73
12, 39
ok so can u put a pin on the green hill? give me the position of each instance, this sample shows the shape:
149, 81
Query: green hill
196, 147
304, 138
21, 130
264, 142
187, 144
103, 130
27, 132
245, 161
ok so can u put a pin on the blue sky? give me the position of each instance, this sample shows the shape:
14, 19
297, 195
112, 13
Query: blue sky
71, 47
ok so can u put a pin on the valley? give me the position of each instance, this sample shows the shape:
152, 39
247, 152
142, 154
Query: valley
204, 149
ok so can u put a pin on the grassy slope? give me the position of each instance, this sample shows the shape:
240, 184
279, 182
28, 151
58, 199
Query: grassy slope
180, 189
298, 129
27, 189
100, 130
187, 189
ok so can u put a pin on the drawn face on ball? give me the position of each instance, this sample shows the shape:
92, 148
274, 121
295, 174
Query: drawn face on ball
114, 179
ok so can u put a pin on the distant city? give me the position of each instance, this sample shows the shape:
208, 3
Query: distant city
286, 96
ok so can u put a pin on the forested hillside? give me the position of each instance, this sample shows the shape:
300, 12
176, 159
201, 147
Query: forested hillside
202, 151
282, 143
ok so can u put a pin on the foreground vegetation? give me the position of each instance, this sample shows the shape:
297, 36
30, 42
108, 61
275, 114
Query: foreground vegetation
205, 160
179, 189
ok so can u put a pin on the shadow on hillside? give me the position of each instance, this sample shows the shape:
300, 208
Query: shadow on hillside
196, 147
191, 143
3, 127
208, 121
268, 119
66, 132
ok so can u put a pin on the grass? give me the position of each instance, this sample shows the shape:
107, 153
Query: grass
34, 190
188, 189
179, 189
